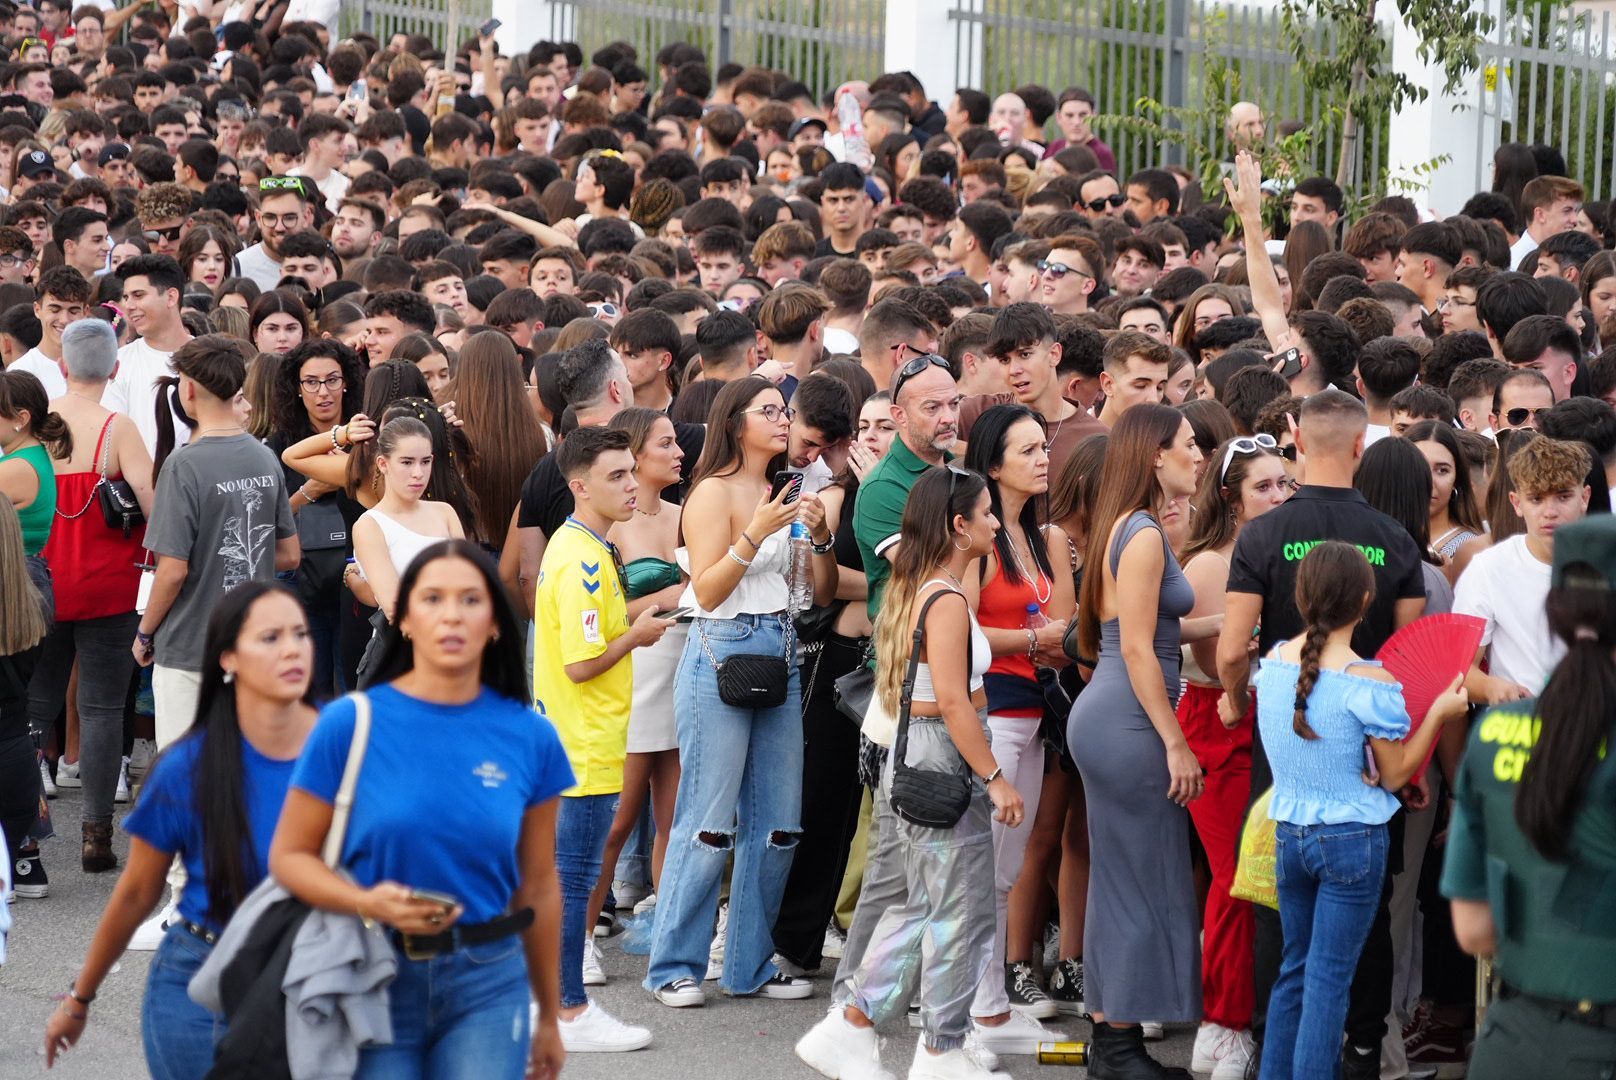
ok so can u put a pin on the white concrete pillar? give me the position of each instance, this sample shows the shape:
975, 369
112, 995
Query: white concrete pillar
943, 53
526, 22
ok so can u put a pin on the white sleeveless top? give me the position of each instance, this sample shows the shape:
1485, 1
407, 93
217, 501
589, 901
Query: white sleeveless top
981, 656
762, 590
403, 543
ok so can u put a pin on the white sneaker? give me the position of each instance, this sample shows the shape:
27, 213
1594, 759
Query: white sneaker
715, 951
1020, 1034
594, 974
1230, 1056
1153, 1030
682, 993
785, 988
596, 1031
835, 942
45, 780
949, 1065
145, 750
628, 893
122, 794
67, 774
647, 903
150, 933
786, 967
839, 1050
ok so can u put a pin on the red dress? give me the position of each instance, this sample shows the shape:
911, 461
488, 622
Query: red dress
93, 566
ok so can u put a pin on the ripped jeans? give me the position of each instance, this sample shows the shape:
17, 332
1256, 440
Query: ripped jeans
740, 788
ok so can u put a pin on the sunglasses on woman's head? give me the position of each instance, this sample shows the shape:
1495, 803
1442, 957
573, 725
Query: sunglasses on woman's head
1245, 445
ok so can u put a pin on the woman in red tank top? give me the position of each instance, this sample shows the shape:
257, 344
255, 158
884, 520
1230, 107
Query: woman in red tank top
96, 577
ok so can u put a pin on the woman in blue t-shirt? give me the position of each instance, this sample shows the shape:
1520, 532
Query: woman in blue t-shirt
223, 781
451, 842
1318, 706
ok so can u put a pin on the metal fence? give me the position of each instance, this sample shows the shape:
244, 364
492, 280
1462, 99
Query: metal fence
1193, 57
1549, 77
820, 42
446, 22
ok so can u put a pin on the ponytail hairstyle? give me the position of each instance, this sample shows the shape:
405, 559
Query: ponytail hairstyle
168, 407
938, 497
22, 392
1334, 586
216, 364
384, 384
1574, 711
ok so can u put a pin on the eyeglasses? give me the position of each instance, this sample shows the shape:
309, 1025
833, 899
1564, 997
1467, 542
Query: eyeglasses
915, 367
772, 412
1058, 270
285, 221
10, 261
169, 234
1097, 205
1517, 417
1244, 445
1453, 301
311, 385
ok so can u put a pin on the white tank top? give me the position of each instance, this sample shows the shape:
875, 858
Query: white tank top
403, 543
762, 589
981, 655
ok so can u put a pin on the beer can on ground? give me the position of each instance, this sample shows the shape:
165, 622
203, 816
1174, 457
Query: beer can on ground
1063, 1053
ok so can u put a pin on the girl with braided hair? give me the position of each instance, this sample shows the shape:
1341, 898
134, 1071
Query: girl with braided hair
1334, 727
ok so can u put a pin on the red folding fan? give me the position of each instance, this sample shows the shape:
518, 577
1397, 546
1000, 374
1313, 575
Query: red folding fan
1426, 656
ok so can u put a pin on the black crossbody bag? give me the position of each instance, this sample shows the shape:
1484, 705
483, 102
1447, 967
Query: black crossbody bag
751, 680
931, 798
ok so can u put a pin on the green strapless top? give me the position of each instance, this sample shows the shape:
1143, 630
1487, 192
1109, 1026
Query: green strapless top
642, 577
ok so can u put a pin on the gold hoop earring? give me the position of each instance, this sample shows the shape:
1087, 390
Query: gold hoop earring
961, 547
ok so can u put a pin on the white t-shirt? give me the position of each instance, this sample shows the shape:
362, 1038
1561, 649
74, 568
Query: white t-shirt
324, 12
838, 340
256, 264
334, 187
43, 368
1374, 433
1507, 586
133, 391
1523, 247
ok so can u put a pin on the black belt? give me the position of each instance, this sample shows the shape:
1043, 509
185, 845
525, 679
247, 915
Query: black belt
1592, 1013
426, 946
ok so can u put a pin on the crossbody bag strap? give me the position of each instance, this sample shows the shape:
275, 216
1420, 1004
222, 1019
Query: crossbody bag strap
900, 746
342, 807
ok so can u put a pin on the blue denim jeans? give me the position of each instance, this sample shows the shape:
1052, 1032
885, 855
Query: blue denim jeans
740, 788
178, 1033
1329, 879
581, 827
459, 1016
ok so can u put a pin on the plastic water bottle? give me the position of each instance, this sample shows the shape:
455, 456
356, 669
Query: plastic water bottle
851, 120
1035, 620
802, 568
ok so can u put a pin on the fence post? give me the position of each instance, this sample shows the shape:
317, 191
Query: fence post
918, 34
1441, 125
1176, 76
723, 11
526, 22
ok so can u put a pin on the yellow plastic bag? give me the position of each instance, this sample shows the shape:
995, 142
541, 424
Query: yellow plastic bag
1254, 875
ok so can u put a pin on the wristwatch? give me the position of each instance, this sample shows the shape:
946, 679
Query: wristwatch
824, 549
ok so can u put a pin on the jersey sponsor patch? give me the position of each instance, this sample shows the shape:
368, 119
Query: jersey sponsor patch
591, 620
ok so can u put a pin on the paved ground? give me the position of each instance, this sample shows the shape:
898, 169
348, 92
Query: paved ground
727, 1040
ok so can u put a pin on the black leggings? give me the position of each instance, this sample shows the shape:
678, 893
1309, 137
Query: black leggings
19, 791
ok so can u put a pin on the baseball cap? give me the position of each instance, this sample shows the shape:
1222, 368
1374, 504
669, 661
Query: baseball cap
113, 152
806, 122
36, 163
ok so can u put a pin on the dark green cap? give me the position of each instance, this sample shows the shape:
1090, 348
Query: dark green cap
1585, 554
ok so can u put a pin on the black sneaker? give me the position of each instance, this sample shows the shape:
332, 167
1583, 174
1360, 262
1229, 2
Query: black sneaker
1359, 1063
28, 878
1026, 996
606, 922
1066, 987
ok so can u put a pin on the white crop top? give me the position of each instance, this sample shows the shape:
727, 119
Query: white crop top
403, 542
762, 589
981, 655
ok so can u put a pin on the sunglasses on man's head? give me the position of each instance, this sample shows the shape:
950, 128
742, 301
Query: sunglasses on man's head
281, 183
915, 367
1097, 205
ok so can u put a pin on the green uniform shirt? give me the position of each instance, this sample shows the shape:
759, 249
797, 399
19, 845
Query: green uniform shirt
1556, 922
878, 514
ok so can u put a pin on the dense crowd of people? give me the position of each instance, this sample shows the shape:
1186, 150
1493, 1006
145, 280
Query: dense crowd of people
473, 501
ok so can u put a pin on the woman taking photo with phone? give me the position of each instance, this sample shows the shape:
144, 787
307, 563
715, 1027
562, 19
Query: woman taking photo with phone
741, 752
1141, 956
453, 826
212, 799
948, 523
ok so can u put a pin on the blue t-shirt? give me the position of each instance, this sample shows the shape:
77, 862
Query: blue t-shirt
166, 816
442, 791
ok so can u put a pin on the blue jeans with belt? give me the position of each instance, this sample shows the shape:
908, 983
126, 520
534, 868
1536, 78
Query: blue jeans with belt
740, 788
581, 828
459, 1016
1329, 879
178, 1033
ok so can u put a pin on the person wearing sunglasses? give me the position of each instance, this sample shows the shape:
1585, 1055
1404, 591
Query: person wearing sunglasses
162, 210
1520, 399
1099, 195
283, 209
1068, 274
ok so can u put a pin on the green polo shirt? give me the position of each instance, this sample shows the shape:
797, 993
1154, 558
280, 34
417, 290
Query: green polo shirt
1556, 922
878, 514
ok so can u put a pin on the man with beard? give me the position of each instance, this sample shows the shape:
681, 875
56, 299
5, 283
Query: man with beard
283, 209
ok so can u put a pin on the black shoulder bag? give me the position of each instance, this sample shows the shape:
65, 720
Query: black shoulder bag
931, 798
751, 680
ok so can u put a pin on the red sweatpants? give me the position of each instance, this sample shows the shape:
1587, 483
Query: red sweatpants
1219, 814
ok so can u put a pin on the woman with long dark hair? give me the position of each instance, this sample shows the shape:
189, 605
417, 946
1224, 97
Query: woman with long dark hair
1141, 956
212, 799
278, 321
504, 435
1318, 705
1454, 516
741, 779
207, 255
457, 797
1513, 167
945, 926
1023, 607
1398, 483
1244, 479
1531, 805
